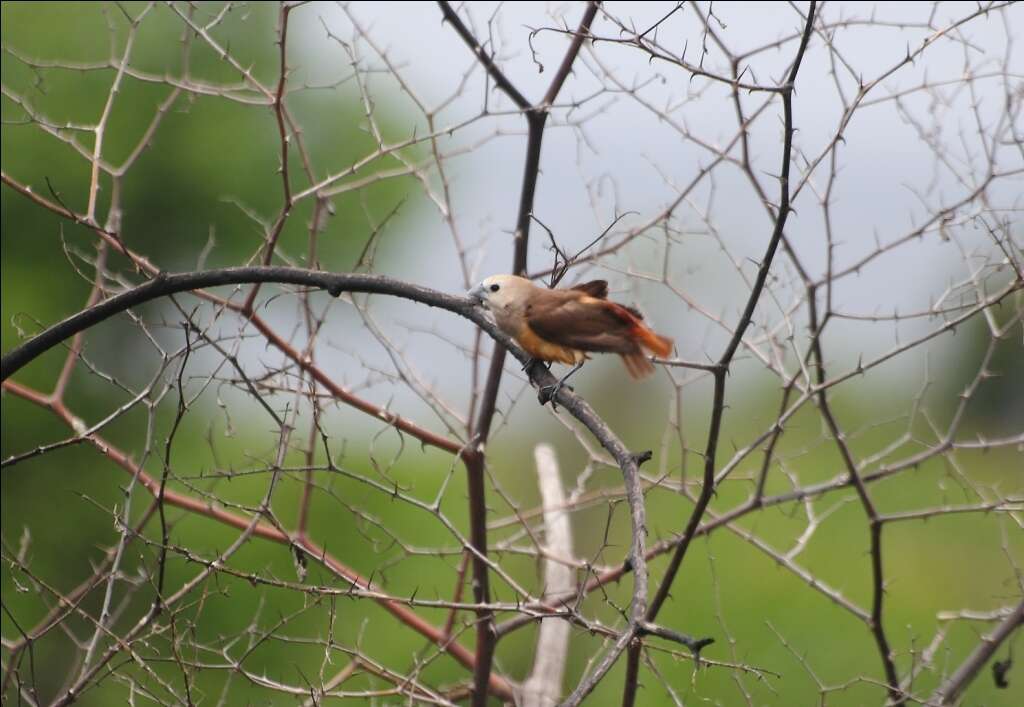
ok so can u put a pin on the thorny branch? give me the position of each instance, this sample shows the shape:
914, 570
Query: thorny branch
726, 359
536, 118
245, 401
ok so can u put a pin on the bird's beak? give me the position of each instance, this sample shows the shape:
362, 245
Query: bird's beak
478, 293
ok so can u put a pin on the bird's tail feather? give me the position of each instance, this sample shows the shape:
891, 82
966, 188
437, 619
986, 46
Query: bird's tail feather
637, 364
658, 345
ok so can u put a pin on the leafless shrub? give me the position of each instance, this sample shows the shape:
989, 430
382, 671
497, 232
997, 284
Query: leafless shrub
296, 462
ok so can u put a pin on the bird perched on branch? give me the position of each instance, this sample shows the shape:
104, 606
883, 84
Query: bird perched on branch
564, 325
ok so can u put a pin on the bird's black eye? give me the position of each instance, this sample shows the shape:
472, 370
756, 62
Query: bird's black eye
495, 288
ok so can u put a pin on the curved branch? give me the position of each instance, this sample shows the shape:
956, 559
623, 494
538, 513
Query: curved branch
168, 284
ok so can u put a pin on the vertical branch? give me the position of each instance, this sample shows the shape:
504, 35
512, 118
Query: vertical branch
75, 349
285, 139
474, 462
544, 686
460, 583
306, 498
896, 696
536, 117
723, 364
161, 494
99, 132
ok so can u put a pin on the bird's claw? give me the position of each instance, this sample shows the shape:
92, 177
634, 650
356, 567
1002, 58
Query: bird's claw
548, 393
529, 364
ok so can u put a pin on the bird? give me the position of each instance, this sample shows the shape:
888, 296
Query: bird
564, 325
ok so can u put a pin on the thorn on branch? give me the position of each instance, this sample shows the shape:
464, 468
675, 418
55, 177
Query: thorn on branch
641, 457
696, 645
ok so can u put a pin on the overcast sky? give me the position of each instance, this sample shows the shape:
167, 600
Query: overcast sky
627, 159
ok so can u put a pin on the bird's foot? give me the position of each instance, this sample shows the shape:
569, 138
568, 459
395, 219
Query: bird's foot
548, 393
529, 364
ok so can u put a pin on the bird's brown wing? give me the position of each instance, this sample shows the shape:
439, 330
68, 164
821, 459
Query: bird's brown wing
583, 323
594, 288
599, 289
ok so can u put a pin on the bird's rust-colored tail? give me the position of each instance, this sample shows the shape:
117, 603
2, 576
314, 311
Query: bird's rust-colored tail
637, 363
658, 345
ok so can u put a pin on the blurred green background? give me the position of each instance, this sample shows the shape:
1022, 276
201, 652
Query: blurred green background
56, 507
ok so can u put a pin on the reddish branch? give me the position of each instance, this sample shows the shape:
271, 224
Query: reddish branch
701, 520
166, 285
266, 531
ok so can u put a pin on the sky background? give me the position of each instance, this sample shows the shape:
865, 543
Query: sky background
626, 159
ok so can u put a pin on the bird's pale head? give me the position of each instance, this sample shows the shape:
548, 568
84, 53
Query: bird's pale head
501, 291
